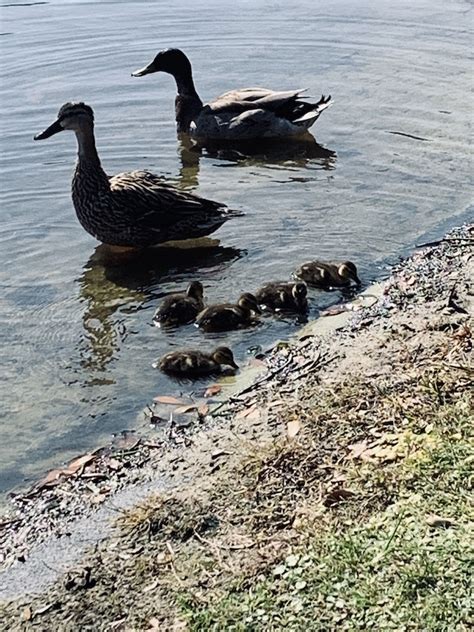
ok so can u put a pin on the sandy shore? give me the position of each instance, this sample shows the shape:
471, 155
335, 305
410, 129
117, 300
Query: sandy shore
176, 532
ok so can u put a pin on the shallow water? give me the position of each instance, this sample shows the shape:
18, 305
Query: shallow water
76, 332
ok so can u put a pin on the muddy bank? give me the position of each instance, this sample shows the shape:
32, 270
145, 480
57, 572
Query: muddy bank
322, 439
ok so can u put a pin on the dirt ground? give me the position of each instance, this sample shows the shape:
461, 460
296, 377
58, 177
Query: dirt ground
333, 493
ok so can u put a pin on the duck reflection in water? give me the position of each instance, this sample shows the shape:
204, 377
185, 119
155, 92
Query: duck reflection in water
116, 285
302, 152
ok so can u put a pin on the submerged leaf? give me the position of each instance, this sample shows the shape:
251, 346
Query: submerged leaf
168, 399
212, 390
182, 410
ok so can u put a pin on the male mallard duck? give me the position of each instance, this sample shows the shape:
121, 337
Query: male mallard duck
193, 363
227, 316
283, 296
133, 209
182, 307
328, 274
243, 114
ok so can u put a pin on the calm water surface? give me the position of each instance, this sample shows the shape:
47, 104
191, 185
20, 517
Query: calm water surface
76, 333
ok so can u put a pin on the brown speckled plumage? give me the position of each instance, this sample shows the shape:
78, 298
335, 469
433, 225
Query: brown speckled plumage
326, 274
182, 307
136, 208
195, 363
283, 296
226, 316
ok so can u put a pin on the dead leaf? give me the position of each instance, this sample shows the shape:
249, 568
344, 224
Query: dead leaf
438, 521
357, 449
155, 625
245, 412
254, 415
292, 428
79, 462
114, 464
168, 399
182, 410
335, 311
203, 409
382, 452
26, 614
212, 390
51, 479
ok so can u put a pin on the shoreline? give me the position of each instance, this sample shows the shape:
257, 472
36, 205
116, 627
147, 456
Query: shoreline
428, 296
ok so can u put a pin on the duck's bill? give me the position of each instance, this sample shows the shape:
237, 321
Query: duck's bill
234, 365
50, 131
146, 70
357, 281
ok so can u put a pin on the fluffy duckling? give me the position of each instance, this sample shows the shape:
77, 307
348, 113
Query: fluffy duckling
283, 296
328, 274
194, 363
227, 316
182, 307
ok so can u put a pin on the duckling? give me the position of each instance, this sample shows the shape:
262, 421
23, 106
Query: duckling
283, 296
182, 307
134, 209
328, 274
227, 316
243, 114
194, 363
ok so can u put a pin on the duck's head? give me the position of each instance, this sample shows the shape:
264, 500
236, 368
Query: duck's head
223, 355
71, 116
170, 60
348, 272
299, 291
195, 290
248, 301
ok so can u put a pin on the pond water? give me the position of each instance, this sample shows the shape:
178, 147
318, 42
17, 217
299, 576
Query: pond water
393, 169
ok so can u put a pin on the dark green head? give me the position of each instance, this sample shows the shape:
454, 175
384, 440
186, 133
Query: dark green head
171, 60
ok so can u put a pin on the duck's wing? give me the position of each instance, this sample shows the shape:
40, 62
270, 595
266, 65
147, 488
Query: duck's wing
254, 98
148, 203
257, 113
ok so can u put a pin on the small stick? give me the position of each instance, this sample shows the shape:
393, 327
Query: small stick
450, 240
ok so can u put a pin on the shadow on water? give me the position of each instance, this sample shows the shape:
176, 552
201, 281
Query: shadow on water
116, 284
300, 153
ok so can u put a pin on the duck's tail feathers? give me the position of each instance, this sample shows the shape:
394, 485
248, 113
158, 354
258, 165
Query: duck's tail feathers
309, 117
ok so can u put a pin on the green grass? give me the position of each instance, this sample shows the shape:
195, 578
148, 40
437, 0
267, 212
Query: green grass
382, 570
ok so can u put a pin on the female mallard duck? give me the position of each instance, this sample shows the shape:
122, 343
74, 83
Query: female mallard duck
243, 114
228, 315
193, 363
182, 307
328, 274
283, 296
134, 209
